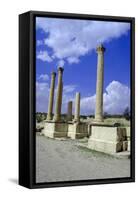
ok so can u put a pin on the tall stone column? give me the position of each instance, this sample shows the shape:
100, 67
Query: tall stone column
57, 115
61, 92
69, 111
51, 96
77, 108
99, 85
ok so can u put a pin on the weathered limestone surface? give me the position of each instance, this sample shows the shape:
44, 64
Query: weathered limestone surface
128, 138
128, 133
57, 115
77, 108
69, 111
55, 129
77, 130
107, 139
51, 96
129, 145
99, 84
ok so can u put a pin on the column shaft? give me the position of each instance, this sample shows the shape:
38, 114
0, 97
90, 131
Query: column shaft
77, 108
58, 105
69, 111
99, 84
51, 96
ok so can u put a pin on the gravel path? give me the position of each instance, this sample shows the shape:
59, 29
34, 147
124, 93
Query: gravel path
64, 161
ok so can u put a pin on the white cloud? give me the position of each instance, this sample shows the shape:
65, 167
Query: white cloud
69, 92
71, 39
61, 63
39, 42
42, 95
69, 88
43, 55
43, 77
87, 105
116, 99
72, 60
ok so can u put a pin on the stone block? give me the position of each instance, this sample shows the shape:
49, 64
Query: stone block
129, 146
107, 139
77, 130
125, 145
128, 135
104, 146
55, 129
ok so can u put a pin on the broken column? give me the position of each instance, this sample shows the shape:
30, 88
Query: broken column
51, 96
57, 115
77, 108
77, 129
99, 85
69, 111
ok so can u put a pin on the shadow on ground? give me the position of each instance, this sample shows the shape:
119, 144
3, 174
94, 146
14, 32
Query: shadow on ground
13, 180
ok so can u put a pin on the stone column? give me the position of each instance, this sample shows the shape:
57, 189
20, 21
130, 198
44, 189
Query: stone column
77, 108
61, 92
57, 115
69, 111
99, 85
51, 96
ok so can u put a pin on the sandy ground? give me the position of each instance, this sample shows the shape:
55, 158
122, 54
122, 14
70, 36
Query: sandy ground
64, 161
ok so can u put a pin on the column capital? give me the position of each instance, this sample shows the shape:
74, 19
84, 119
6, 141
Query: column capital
53, 73
60, 69
77, 93
100, 48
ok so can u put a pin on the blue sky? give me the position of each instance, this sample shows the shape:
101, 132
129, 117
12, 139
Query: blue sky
71, 44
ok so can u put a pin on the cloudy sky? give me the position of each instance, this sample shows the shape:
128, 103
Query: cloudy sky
71, 44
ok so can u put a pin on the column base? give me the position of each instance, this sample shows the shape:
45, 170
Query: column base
108, 139
57, 118
49, 118
98, 120
77, 130
55, 129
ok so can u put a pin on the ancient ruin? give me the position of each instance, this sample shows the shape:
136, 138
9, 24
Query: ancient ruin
51, 97
104, 137
69, 111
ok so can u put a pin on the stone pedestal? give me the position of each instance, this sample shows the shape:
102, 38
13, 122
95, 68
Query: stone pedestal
107, 139
55, 129
77, 130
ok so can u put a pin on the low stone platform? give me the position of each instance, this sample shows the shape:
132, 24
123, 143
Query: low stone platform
55, 129
72, 130
107, 139
77, 130
122, 155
